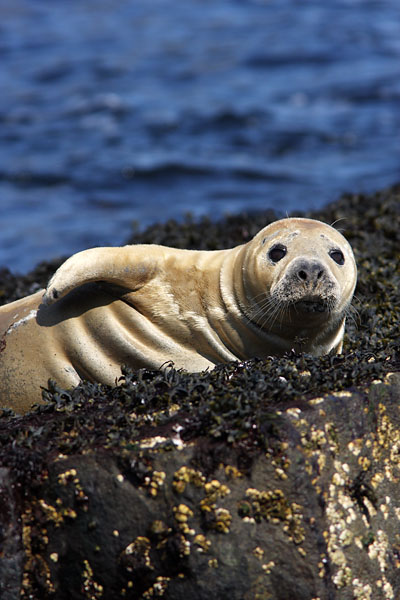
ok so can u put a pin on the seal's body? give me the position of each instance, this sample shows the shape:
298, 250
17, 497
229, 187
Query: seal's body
288, 288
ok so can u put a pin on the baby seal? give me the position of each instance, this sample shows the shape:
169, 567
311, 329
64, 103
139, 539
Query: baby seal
289, 288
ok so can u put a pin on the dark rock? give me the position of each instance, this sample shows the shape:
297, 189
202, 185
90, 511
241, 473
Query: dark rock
270, 479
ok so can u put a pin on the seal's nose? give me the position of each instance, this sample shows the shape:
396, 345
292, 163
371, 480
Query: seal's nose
310, 271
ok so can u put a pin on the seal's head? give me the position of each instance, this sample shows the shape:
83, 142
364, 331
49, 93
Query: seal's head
298, 274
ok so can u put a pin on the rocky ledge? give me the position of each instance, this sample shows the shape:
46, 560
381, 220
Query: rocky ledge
268, 479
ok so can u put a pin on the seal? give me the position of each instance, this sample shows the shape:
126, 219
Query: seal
289, 288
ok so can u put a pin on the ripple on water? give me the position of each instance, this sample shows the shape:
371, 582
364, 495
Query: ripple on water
148, 110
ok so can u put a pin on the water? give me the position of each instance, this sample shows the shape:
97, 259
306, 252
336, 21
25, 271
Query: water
120, 110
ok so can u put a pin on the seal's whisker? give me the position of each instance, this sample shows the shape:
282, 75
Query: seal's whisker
280, 314
258, 296
356, 300
269, 317
269, 314
353, 315
276, 314
337, 221
262, 308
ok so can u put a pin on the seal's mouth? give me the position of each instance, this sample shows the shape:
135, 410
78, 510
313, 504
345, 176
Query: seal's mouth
312, 305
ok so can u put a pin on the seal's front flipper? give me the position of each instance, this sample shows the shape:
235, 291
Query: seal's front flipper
124, 266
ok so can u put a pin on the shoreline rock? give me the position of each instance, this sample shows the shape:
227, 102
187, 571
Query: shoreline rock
266, 479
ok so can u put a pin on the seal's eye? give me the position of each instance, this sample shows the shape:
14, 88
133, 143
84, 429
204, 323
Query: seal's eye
277, 252
337, 256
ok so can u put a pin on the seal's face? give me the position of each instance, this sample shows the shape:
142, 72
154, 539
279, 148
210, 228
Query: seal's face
300, 272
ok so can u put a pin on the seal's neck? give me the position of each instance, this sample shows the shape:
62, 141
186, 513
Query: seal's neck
236, 331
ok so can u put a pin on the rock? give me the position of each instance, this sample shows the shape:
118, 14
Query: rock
312, 512
269, 479
11, 544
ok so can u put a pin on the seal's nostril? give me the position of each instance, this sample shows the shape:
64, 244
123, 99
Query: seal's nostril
320, 273
303, 275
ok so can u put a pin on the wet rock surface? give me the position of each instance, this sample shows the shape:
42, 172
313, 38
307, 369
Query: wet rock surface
266, 479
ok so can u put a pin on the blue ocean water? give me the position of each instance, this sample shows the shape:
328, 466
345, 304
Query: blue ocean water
119, 110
